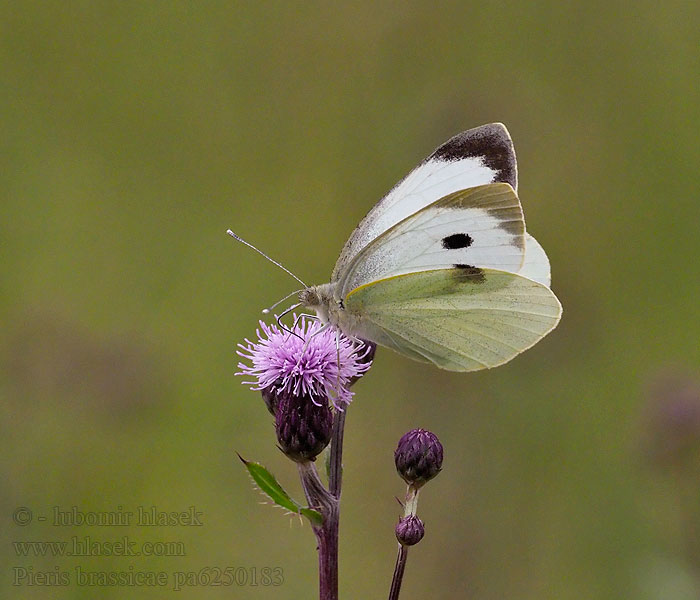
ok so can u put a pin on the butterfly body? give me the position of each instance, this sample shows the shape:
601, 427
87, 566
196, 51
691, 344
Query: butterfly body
443, 269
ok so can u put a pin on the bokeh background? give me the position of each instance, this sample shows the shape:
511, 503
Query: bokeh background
135, 133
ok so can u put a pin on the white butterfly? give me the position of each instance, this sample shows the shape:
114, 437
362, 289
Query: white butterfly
442, 269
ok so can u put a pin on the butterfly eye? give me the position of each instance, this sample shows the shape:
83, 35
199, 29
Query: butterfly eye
456, 241
309, 297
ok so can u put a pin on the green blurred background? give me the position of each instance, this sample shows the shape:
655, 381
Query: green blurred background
135, 133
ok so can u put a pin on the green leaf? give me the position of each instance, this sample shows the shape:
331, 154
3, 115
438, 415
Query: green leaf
312, 515
270, 486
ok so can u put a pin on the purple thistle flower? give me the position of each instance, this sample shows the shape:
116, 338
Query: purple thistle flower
306, 365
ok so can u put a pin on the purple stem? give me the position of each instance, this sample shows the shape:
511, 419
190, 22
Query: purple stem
410, 508
328, 504
398, 572
328, 557
335, 474
327, 534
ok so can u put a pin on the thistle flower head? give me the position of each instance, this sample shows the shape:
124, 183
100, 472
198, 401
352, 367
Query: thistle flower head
304, 364
418, 457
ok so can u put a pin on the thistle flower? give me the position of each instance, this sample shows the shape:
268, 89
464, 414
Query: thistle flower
418, 457
409, 530
304, 364
303, 427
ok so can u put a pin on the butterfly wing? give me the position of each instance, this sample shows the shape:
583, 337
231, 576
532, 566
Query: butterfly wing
479, 227
536, 264
475, 157
459, 319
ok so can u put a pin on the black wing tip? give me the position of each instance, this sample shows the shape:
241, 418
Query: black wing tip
492, 143
496, 130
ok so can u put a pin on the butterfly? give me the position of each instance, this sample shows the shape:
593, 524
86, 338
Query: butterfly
442, 269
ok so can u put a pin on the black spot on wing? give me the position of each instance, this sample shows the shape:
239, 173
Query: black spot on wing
469, 274
456, 241
491, 143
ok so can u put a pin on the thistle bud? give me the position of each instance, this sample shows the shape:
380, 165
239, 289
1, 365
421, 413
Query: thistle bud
303, 427
418, 457
409, 530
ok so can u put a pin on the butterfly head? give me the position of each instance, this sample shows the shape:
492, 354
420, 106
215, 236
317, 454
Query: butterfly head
319, 298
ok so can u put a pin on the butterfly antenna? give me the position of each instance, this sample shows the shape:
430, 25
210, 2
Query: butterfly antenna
274, 262
267, 310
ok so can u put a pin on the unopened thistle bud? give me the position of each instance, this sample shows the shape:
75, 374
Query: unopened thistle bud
409, 530
303, 427
418, 457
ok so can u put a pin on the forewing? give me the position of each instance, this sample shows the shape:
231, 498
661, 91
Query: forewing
458, 319
475, 157
478, 227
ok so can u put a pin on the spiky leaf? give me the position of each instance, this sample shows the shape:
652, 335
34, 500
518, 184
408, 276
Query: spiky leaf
270, 486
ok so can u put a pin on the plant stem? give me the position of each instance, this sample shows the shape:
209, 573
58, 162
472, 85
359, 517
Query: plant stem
398, 572
327, 534
328, 503
328, 556
335, 475
410, 508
